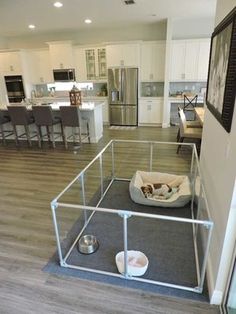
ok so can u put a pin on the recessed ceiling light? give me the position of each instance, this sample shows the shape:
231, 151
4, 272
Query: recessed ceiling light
88, 21
31, 26
58, 4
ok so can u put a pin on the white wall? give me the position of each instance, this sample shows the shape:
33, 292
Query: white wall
156, 31
193, 28
218, 155
232, 293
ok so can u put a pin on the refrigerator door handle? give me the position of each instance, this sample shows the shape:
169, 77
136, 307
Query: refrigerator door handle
122, 85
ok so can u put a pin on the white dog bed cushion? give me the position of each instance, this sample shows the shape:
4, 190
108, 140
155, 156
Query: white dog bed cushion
177, 199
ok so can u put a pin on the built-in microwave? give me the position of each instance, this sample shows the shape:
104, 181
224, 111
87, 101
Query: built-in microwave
64, 75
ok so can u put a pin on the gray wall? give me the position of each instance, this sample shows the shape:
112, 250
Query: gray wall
194, 28
3, 42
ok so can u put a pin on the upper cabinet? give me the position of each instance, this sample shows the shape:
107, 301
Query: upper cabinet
90, 64
189, 60
10, 63
61, 55
80, 64
96, 67
39, 66
203, 59
123, 55
102, 62
153, 61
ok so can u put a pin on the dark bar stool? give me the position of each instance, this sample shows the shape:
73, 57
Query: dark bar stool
70, 117
4, 133
43, 116
21, 117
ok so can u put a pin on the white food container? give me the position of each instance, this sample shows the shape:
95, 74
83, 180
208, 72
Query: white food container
137, 262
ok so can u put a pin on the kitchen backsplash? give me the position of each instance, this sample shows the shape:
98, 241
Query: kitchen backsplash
152, 89
193, 87
88, 89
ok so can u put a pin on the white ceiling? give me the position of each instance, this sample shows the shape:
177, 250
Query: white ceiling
16, 15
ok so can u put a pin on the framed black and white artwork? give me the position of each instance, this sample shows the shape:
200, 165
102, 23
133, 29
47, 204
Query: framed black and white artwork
221, 85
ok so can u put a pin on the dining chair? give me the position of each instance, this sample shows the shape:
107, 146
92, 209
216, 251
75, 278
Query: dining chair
187, 132
20, 116
70, 117
189, 105
189, 124
44, 117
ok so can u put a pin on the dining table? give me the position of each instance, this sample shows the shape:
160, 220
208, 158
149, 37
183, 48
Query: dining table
200, 113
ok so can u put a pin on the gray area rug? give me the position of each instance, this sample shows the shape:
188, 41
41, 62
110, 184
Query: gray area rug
167, 244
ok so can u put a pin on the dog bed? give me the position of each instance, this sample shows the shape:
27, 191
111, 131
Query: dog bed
178, 199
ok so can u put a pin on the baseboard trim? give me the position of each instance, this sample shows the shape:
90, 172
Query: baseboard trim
216, 296
165, 125
159, 125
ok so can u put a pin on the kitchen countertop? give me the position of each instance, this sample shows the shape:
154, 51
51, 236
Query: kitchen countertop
65, 98
151, 97
86, 105
180, 99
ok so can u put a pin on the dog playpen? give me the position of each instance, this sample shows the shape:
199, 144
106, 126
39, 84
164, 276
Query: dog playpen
174, 240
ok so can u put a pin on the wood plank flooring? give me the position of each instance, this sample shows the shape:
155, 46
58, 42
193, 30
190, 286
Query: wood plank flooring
29, 179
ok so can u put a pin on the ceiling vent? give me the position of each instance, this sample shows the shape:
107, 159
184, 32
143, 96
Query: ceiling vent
129, 2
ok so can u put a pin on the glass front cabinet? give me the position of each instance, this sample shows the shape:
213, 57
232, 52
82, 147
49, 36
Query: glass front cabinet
96, 63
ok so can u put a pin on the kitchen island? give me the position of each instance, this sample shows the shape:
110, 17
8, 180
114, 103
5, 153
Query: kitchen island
92, 111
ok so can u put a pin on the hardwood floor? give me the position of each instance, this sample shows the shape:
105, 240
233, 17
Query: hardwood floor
29, 179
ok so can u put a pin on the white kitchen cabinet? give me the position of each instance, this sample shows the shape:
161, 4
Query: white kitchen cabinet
61, 55
10, 63
153, 62
80, 65
96, 63
123, 55
105, 112
39, 67
150, 111
189, 60
90, 64
203, 59
177, 72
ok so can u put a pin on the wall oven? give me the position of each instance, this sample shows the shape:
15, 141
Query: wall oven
15, 88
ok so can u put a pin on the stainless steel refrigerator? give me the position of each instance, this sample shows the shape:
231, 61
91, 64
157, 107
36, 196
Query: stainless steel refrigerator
123, 96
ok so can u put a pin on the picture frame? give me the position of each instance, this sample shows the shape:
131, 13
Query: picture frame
221, 83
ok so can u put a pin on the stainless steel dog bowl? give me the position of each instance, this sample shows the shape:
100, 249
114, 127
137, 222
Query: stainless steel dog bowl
88, 244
